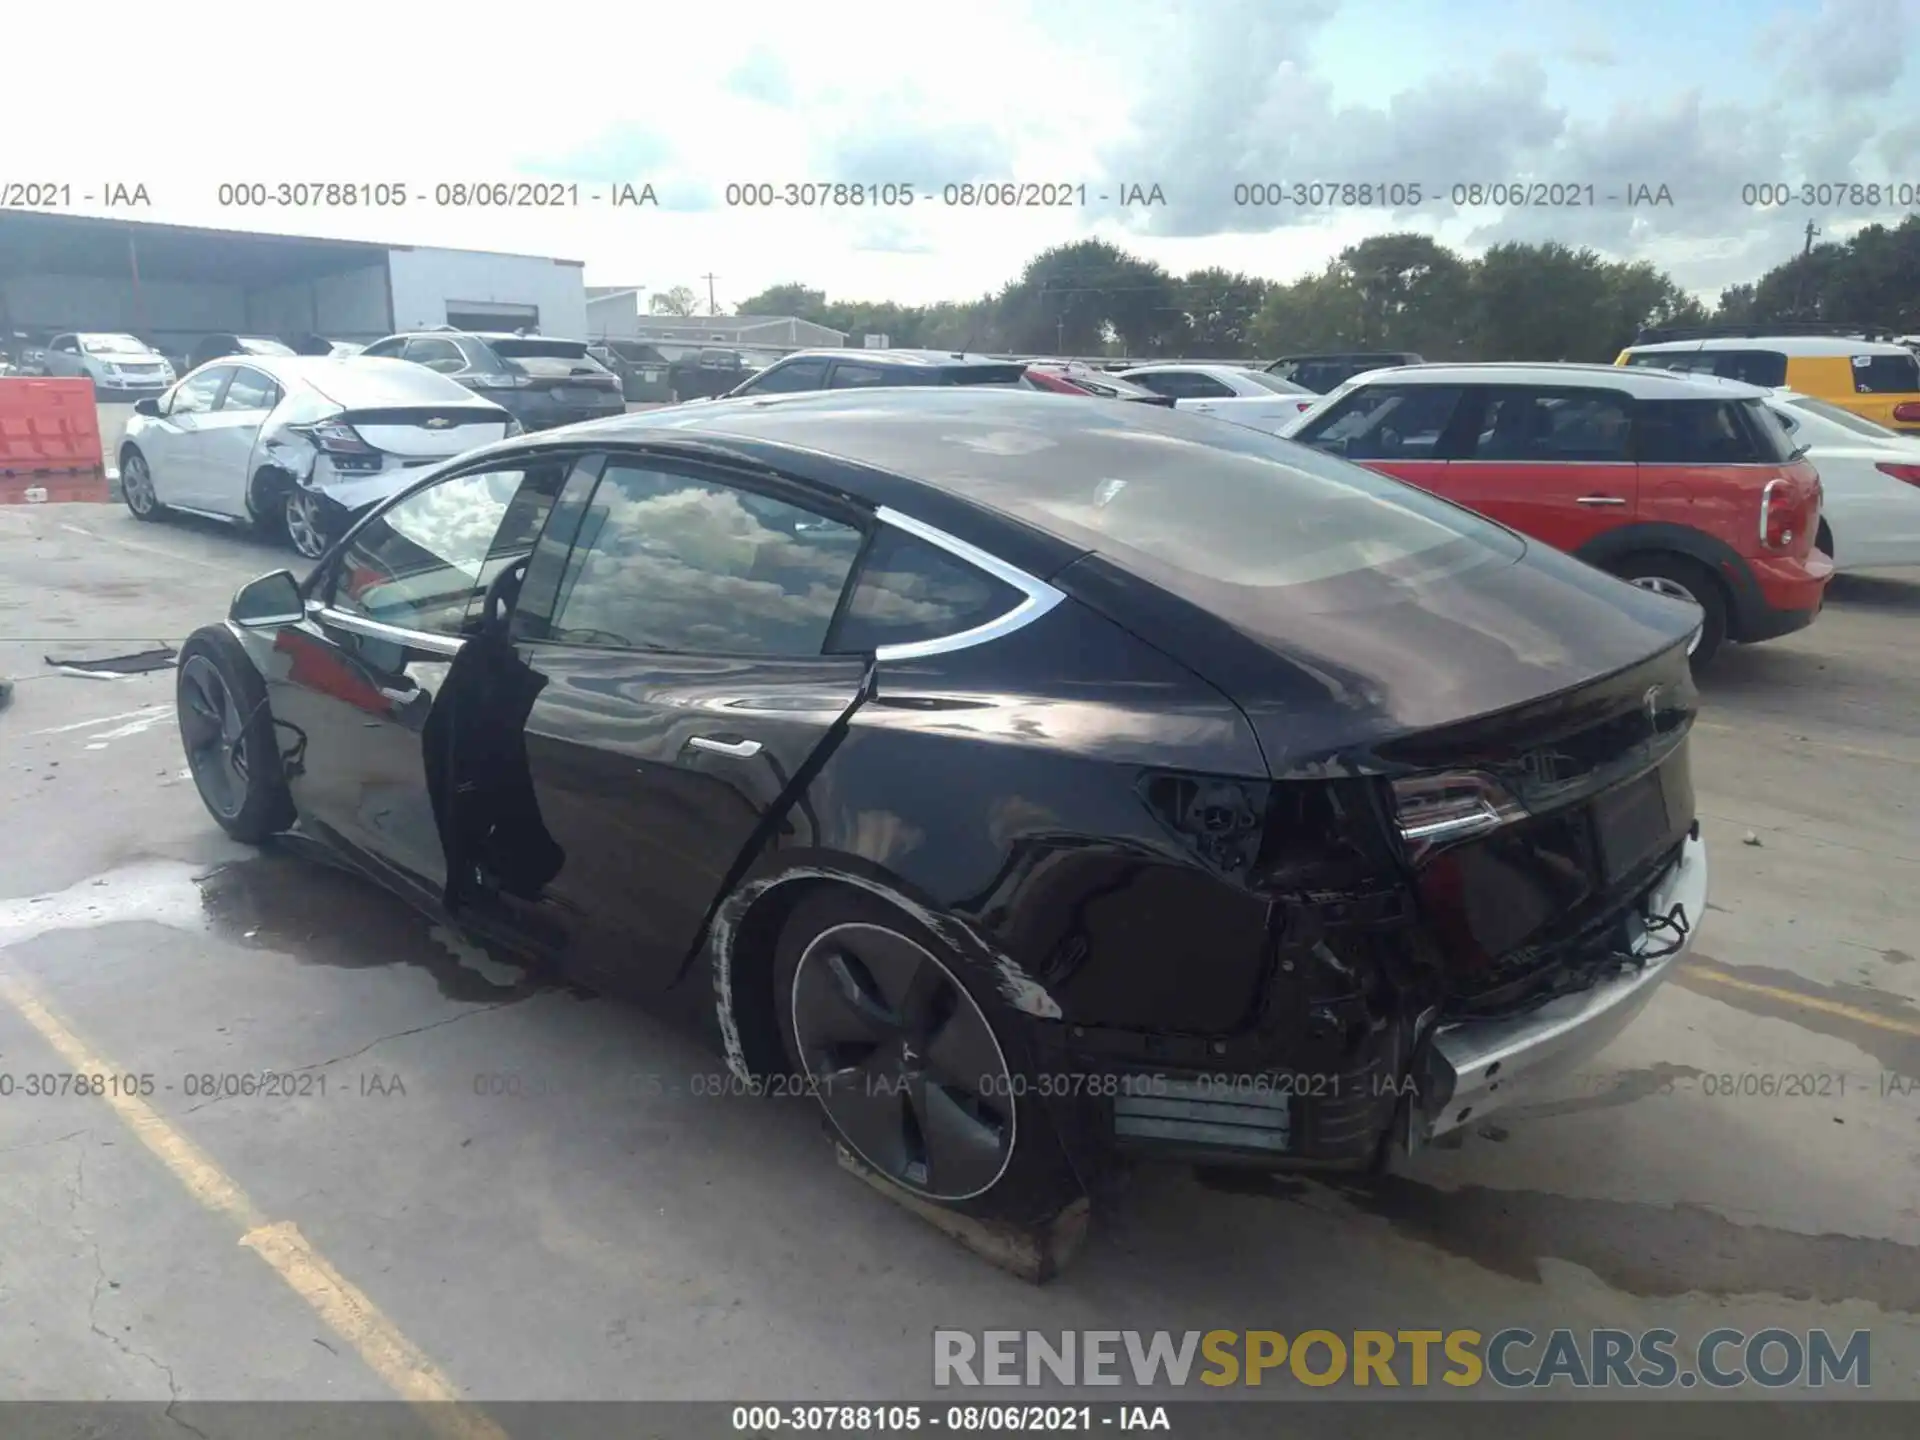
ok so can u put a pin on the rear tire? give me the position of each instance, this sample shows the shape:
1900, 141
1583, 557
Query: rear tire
227, 732
308, 521
916, 1061
1684, 579
1823, 541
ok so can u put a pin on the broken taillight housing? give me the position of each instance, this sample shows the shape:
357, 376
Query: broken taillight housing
336, 437
1441, 808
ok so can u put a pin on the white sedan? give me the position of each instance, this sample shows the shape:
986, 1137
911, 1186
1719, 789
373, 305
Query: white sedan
297, 446
1870, 515
1237, 393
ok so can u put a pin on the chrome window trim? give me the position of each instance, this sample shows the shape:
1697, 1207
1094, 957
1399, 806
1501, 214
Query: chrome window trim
1040, 597
447, 645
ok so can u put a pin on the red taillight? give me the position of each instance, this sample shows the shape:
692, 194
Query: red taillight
1059, 384
1785, 512
1908, 473
1907, 412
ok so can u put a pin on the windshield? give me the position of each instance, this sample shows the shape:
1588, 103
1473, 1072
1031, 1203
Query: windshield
113, 345
253, 345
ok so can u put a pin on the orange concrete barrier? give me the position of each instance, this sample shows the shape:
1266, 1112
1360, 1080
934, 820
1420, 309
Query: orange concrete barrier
50, 442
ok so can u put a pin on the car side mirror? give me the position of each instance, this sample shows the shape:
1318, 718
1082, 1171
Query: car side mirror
150, 407
270, 600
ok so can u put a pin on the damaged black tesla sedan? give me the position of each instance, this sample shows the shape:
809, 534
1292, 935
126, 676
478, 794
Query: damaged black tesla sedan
1031, 782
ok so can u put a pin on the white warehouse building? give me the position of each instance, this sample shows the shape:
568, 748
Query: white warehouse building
173, 284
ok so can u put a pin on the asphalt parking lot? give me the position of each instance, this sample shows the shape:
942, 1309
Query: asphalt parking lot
599, 1236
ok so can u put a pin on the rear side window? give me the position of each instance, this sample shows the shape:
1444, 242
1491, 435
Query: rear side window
847, 376
666, 560
1709, 432
793, 376
1886, 375
909, 592
1554, 425
1386, 422
1766, 368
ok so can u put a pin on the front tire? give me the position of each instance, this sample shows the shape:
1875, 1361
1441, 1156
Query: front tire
915, 1061
136, 487
1682, 579
227, 732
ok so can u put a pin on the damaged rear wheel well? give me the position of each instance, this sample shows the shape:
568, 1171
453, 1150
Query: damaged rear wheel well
749, 960
270, 482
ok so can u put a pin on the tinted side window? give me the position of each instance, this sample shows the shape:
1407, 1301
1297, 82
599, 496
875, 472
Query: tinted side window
846, 376
250, 390
909, 591
199, 393
796, 375
441, 355
1703, 432
1547, 425
1386, 422
423, 562
1886, 375
667, 560
1756, 367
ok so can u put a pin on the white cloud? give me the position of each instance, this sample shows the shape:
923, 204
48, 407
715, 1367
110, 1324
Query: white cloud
1195, 97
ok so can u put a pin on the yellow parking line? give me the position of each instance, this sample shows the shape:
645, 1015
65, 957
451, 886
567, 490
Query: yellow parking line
1810, 1002
345, 1308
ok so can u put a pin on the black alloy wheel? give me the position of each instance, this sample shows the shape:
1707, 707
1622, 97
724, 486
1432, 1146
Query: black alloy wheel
227, 732
904, 1061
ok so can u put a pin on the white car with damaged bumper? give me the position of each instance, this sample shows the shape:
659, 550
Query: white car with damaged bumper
297, 446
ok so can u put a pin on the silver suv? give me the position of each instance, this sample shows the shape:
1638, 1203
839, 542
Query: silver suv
117, 364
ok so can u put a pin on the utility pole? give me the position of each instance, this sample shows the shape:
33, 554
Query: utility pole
1806, 263
712, 308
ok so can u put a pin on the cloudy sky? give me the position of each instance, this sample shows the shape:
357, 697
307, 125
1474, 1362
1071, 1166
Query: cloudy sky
1192, 96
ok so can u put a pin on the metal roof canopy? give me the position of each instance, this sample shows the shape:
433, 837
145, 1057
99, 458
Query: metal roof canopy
33, 242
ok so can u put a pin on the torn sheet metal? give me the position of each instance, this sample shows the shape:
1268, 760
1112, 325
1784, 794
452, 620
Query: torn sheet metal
138, 662
1016, 987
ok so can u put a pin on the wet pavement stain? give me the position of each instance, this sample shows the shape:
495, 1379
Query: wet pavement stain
1627, 1087
323, 915
1899, 1052
1649, 1251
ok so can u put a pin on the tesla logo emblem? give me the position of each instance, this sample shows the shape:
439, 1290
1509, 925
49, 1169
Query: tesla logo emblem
439, 422
1651, 702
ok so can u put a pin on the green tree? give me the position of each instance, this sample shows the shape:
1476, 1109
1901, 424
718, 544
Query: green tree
793, 299
680, 300
1221, 307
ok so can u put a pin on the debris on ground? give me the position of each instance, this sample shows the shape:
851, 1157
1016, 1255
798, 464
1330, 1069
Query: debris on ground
1750, 839
159, 657
6, 693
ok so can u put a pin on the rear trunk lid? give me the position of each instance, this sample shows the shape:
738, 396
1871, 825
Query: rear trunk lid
428, 431
562, 368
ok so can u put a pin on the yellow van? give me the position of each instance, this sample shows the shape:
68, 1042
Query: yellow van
1876, 379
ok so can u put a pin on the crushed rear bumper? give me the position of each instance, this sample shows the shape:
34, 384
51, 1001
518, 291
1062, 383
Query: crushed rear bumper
1475, 1068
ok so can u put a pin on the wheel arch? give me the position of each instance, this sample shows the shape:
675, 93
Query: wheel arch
1719, 559
264, 486
741, 939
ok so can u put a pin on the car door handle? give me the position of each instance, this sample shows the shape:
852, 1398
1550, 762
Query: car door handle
1600, 500
738, 749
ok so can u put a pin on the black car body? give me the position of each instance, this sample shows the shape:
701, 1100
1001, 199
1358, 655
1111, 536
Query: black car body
867, 369
218, 347
541, 381
1033, 780
1322, 373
